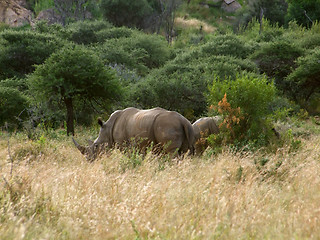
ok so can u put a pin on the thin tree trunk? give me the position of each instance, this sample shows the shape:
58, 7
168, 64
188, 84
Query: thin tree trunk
70, 116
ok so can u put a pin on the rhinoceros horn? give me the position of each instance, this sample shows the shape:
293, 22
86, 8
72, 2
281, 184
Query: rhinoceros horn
82, 149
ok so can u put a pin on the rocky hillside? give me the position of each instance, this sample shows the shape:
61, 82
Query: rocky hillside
14, 13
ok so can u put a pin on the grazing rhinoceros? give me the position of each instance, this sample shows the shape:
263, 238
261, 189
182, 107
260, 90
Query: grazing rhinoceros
202, 128
157, 125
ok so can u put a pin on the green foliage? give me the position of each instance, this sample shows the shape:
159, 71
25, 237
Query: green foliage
75, 72
255, 32
40, 5
16, 83
311, 42
54, 29
227, 66
174, 87
277, 59
305, 79
274, 12
114, 32
125, 12
12, 106
138, 51
251, 95
86, 32
3, 26
229, 44
181, 84
21, 50
303, 12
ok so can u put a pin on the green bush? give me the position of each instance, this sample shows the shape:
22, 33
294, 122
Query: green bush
224, 66
42, 5
174, 87
303, 12
277, 59
273, 10
86, 32
12, 106
249, 97
21, 50
229, 45
140, 51
305, 79
310, 41
227, 66
125, 12
181, 84
115, 32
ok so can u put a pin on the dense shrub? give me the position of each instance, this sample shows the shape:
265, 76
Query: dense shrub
255, 32
174, 87
277, 60
303, 12
21, 50
140, 51
310, 41
86, 32
227, 66
126, 13
230, 45
251, 95
305, 79
114, 32
12, 105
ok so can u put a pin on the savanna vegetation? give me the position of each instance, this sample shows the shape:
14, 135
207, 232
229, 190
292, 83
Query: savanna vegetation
257, 68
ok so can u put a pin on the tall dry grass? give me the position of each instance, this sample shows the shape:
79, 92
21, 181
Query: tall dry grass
53, 193
194, 23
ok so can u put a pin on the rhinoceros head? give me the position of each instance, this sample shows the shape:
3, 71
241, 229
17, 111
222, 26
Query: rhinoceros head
92, 150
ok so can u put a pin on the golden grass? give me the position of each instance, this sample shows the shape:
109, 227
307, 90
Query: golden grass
56, 194
194, 23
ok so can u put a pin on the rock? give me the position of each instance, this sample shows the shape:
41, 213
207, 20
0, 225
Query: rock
50, 16
14, 14
230, 6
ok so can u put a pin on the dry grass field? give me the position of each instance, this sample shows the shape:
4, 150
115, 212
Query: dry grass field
49, 191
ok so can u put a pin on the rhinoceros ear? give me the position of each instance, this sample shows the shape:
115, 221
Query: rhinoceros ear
100, 122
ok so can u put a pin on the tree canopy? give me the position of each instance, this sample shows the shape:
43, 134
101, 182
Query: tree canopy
72, 72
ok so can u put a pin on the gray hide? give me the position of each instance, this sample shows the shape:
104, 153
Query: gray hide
157, 125
202, 128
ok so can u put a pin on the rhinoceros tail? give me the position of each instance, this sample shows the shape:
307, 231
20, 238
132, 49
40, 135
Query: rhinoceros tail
189, 133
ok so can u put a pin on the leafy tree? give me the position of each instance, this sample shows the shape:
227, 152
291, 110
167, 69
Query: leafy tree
12, 104
277, 59
230, 45
303, 12
114, 33
125, 12
21, 50
71, 74
305, 79
74, 10
138, 51
174, 87
181, 84
86, 32
273, 10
